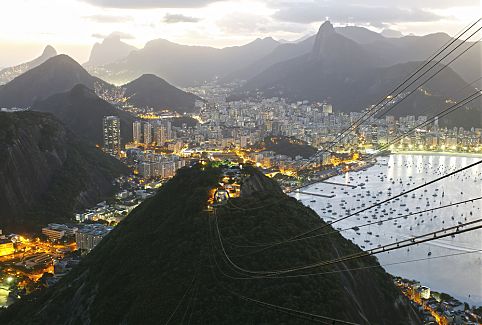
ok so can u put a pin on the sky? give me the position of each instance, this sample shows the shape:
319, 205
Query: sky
73, 26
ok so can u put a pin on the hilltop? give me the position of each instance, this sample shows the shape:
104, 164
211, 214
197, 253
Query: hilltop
58, 74
164, 263
150, 91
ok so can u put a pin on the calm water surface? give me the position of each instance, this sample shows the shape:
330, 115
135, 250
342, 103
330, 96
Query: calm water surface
459, 275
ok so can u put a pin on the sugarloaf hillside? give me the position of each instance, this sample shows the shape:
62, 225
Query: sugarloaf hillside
167, 263
82, 111
46, 172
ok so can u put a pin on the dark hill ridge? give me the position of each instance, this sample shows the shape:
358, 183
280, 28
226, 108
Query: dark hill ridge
81, 110
144, 267
46, 172
8, 74
58, 74
151, 91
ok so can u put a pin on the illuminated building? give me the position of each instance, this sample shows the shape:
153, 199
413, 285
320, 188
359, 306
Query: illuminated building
137, 132
89, 236
327, 108
147, 133
56, 231
6, 247
112, 141
160, 134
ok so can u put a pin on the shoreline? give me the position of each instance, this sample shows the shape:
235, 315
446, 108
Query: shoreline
438, 153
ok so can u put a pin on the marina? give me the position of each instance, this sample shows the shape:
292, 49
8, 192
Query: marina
423, 211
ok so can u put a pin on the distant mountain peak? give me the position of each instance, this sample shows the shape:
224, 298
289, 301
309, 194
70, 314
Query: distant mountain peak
110, 50
326, 27
49, 51
325, 33
8, 74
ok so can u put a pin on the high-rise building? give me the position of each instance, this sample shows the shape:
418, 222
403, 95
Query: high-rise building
112, 141
89, 236
327, 108
147, 133
137, 132
160, 134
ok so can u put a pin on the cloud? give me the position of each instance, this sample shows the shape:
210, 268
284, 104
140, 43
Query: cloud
178, 18
252, 24
144, 4
108, 19
377, 13
120, 35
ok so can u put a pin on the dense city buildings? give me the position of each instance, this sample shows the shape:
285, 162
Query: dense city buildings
111, 132
88, 236
137, 132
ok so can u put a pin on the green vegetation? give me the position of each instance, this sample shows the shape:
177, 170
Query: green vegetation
142, 269
288, 146
47, 172
179, 121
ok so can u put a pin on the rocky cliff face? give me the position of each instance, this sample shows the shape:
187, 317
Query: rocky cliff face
45, 172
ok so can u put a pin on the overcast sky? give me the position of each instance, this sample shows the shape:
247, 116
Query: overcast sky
72, 26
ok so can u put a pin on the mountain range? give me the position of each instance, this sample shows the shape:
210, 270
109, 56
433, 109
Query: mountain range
47, 172
61, 73
386, 51
184, 65
164, 264
191, 65
345, 73
58, 74
8, 74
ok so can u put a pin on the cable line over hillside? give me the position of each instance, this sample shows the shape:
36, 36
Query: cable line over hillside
416, 240
304, 235
289, 311
352, 269
381, 221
